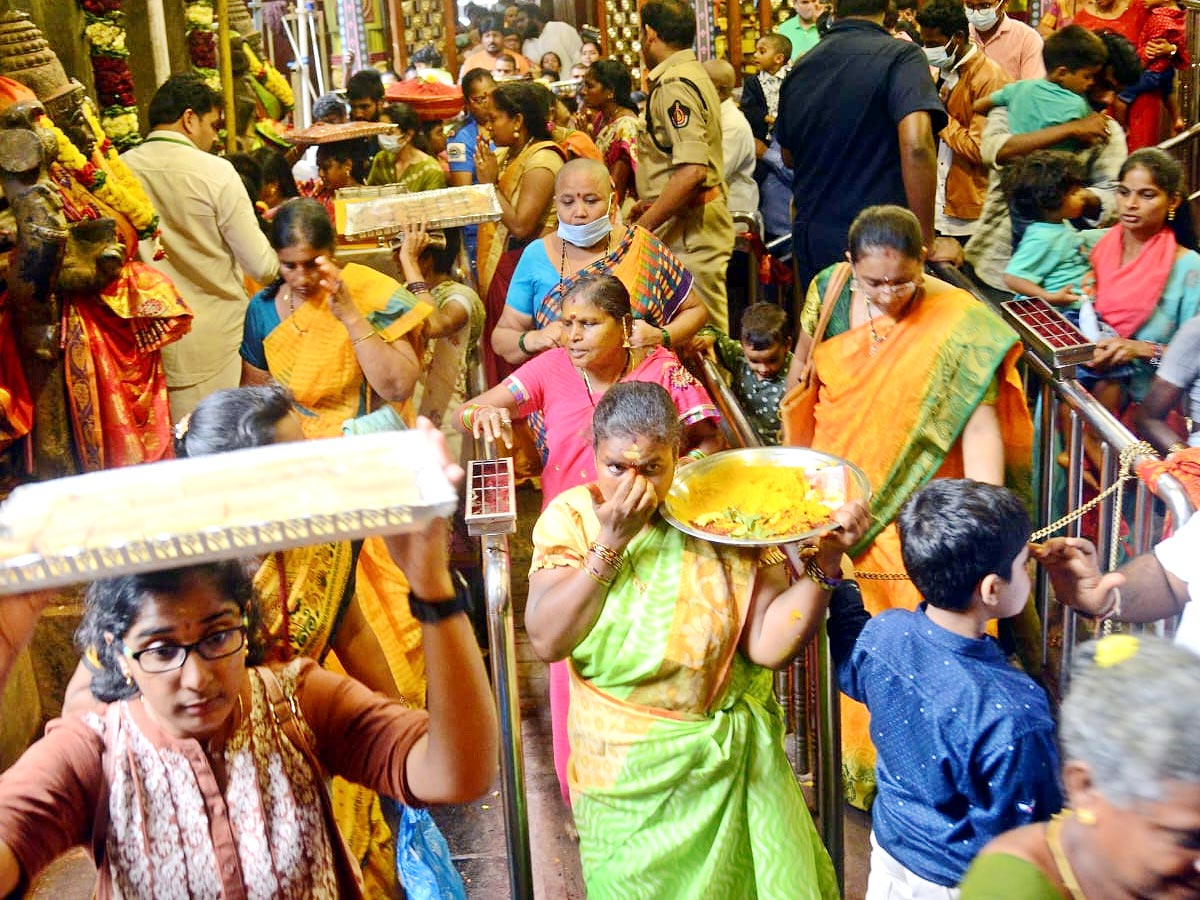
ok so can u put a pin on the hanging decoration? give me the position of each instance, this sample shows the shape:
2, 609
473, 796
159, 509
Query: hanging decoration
104, 31
201, 27
269, 77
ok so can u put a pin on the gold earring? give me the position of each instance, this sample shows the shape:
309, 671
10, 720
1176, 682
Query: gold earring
628, 329
1085, 817
128, 679
1171, 215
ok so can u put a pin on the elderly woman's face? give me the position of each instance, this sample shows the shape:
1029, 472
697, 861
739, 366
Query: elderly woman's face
592, 336
1141, 204
888, 278
581, 197
619, 457
195, 699
1153, 848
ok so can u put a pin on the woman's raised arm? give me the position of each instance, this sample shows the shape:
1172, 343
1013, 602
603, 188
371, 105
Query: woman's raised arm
457, 759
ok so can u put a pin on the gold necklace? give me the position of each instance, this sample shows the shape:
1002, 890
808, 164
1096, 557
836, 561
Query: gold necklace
876, 337
587, 382
1061, 863
291, 302
562, 262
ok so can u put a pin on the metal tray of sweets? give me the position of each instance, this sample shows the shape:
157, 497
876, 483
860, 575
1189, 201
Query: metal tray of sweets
366, 212
727, 480
1048, 334
231, 505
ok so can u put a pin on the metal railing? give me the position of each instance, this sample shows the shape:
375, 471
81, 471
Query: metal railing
1062, 489
807, 689
502, 655
1088, 420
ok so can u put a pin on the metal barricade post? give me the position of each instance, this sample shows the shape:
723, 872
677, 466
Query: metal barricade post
491, 515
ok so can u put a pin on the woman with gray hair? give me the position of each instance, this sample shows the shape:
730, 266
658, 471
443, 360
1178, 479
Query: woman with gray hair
1131, 744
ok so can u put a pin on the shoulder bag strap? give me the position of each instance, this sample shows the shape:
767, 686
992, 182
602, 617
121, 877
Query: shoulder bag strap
833, 290
285, 713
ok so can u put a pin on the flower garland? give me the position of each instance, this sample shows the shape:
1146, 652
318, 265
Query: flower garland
104, 31
202, 45
270, 78
107, 177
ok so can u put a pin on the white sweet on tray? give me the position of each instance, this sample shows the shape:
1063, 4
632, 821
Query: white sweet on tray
263, 486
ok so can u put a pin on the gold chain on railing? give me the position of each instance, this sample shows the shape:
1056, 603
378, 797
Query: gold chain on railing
1129, 453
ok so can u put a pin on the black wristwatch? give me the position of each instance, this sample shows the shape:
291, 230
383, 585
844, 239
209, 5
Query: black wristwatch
438, 610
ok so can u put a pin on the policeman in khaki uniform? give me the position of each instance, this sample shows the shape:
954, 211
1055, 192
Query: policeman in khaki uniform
680, 172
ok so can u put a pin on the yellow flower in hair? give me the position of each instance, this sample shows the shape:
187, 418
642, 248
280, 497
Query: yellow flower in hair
1114, 649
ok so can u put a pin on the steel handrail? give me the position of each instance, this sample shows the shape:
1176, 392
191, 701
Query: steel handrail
1085, 413
815, 667
1180, 139
502, 656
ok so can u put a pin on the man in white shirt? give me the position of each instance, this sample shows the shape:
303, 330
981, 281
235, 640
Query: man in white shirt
209, 232
737, 141
543, 37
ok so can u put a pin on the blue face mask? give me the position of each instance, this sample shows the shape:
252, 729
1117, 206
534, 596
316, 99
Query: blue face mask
587, 234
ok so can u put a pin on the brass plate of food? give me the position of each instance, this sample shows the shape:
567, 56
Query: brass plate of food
762, 496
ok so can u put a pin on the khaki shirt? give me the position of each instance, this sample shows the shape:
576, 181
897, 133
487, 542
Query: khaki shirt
681, 126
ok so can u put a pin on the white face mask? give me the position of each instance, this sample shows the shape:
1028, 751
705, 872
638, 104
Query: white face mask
941, 57
389, 142
984, 19
586, 235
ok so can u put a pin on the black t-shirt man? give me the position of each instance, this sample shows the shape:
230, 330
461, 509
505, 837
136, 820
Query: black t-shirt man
840, 114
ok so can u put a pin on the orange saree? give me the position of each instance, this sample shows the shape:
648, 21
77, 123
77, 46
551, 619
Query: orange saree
899, 415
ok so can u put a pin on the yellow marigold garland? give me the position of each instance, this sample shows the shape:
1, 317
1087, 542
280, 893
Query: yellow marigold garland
110, 181
270, 78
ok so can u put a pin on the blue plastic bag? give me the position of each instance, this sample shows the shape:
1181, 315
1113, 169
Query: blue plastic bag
423, 859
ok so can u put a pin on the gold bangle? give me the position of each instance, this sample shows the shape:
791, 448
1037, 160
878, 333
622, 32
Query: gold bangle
596, 578
1175, 448
608, 556
358, 340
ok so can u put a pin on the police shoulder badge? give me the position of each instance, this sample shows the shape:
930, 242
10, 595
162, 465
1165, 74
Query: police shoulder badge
679, 114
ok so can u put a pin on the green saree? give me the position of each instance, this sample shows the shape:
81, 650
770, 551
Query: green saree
679, 782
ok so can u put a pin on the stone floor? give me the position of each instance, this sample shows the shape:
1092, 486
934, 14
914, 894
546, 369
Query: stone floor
475, 831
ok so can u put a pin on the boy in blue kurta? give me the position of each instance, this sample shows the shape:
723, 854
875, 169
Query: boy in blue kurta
965, 741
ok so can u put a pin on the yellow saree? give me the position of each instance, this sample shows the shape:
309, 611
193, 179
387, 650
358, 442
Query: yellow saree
311, 354
493, 236
899, 414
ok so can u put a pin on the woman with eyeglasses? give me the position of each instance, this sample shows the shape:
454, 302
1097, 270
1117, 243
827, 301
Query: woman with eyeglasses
201, 773
915, 379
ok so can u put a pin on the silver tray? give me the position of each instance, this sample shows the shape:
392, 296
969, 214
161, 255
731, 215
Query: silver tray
384, 210
316, 487
722, 472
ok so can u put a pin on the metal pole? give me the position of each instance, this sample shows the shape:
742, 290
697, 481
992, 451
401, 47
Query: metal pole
159, 51
502, 643
1049, 466
301, 49
829, 755
226, 64
1074, 500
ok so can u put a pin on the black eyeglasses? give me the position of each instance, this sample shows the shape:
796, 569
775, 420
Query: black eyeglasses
169, 657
